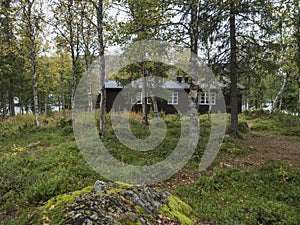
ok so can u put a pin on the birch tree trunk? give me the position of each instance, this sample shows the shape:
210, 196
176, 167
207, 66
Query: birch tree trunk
35, 79
279, 94
63, 102
89, 83
32, 23
86, 38
155, 107
193, 81
144, 97
70, 25
46, 104
98, 5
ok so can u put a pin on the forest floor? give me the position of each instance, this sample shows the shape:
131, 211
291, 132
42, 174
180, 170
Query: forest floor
262, 148
258, 148
257, 177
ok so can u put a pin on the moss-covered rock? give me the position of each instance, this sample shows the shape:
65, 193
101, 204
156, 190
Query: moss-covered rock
115, 203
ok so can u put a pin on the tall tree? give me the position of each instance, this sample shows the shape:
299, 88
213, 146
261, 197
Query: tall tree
62, 67
6, 56
88, 40
195, 11
284, 50
145, 20
11, 61
233, 70
99, 9
67, 23
233, 17
32, 17
297, 37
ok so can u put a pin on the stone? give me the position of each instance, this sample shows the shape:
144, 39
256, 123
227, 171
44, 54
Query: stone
116, 203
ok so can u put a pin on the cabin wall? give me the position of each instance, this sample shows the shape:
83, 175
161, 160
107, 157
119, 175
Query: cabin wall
123, 103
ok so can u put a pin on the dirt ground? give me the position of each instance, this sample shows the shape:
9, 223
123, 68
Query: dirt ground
265, 148
259, 148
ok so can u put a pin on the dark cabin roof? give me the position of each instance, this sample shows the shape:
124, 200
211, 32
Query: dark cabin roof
112, 84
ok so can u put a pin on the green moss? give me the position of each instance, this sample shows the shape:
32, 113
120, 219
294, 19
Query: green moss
113, 191
66, 198
140, 209
179, 209
123, 185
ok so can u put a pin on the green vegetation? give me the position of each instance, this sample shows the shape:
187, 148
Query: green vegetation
39, 164
179, 209
266, 195
29, 176
278, 124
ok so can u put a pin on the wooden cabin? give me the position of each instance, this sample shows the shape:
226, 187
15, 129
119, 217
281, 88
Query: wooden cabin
177, 100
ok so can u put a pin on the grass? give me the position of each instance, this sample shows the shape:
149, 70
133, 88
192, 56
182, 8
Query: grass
277, 124
29, 176
266, 195
38, 164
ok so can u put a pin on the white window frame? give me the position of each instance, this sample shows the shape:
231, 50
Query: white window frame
204, 98
174, 98
139, 99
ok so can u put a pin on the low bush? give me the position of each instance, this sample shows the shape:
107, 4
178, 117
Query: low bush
265, 195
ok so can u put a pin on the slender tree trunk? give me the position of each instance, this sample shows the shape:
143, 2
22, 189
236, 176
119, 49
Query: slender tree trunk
193, 80
89, 83
46, 104
279, 94
85, 36
248, 96
73, 82
88, 76
280, 103
209, 103
63, 101
40, 103
35, 87
155, 107
102, 91
299, 93
62, 80
4, 99
298, 55
73, 54
233, 72
209, 88
145, 121
32, 35
11, 104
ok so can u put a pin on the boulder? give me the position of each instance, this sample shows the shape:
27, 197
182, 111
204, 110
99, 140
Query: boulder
116, 203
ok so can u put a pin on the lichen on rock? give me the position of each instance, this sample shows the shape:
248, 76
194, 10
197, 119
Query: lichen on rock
117, 203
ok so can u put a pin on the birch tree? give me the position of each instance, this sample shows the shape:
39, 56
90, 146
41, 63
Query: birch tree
99, 9
8, 58
88, 39
31, 15
66, 22
145, 20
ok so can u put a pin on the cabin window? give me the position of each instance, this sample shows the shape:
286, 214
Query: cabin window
206, 98
138, 99
173, 99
